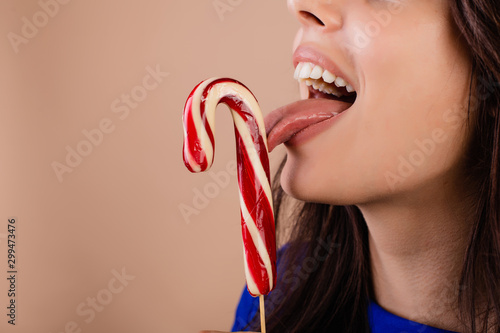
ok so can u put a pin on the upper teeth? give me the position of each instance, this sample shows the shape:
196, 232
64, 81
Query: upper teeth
321, 79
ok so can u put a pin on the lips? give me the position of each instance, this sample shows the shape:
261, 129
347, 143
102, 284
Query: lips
301, 120
295, 123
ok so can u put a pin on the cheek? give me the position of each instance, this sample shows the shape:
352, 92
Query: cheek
406, 129
415, 102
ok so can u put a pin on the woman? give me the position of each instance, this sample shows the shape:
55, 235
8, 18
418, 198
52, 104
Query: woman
399, 229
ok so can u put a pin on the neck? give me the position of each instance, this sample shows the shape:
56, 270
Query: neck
417, 244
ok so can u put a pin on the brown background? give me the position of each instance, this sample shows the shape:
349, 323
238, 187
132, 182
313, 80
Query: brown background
119, 208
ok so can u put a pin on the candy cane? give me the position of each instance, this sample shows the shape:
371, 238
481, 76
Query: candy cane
257, 221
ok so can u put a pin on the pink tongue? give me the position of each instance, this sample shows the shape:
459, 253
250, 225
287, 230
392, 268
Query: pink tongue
283, 123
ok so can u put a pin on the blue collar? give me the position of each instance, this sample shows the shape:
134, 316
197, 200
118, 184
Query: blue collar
382, 321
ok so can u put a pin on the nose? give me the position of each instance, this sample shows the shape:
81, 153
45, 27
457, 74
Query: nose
324, 15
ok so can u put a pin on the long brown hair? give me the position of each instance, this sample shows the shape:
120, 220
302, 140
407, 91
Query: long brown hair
325, 273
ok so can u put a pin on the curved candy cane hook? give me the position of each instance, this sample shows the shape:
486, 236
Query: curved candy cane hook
257, 220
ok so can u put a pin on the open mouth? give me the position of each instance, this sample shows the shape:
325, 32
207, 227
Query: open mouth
329, 95
324, 84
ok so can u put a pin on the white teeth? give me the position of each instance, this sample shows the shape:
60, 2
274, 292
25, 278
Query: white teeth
328, 77
321, 79
317, 72
305, 71
339, 82
297, 70
336, 93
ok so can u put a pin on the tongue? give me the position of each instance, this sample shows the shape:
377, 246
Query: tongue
283, 123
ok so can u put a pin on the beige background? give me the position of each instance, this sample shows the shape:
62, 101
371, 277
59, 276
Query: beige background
119, 208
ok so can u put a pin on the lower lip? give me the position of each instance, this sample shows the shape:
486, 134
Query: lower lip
313, 130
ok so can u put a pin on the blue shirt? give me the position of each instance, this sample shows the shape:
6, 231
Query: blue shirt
381, 321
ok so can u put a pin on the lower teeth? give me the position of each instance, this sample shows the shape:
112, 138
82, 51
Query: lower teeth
322, 86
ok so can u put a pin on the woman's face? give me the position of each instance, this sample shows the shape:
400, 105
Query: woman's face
404, 130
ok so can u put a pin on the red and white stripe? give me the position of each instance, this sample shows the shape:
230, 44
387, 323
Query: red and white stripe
257, 220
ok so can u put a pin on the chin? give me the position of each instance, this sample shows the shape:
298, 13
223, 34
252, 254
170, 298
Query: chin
295, 180
301, 181
303, 184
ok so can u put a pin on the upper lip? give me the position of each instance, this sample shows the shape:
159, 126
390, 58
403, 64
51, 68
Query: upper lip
307, 53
